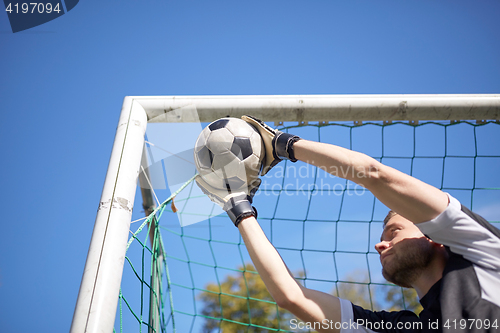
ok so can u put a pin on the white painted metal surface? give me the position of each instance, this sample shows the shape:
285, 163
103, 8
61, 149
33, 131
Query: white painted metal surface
300, 108
98, 296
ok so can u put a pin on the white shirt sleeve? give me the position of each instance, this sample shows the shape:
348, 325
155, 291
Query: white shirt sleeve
464, 236
348, 324
346, 315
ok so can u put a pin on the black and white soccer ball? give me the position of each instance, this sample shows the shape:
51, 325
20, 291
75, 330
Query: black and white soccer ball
229, 153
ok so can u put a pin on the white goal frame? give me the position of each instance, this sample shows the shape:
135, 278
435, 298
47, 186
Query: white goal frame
97, 301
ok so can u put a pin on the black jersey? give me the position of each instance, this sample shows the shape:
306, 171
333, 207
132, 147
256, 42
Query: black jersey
466, 299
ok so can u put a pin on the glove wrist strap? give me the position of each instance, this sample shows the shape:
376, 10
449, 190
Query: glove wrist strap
283, 146
241, 210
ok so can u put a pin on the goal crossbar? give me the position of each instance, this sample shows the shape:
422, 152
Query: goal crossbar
328, 107
99, 290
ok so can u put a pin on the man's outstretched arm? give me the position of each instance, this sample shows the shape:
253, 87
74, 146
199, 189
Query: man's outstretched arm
408, 196
308, 305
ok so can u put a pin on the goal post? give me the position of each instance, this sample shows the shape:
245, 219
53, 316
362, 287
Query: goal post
98, 296
97, 300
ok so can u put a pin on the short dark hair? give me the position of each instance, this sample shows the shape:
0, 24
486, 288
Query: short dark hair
389, 216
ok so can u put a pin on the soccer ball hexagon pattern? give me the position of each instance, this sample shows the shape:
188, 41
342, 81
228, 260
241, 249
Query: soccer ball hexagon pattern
229, 153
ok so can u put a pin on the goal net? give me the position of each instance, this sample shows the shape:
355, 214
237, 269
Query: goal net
199, 277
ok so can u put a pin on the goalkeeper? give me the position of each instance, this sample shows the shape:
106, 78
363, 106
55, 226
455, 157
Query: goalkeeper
430, 242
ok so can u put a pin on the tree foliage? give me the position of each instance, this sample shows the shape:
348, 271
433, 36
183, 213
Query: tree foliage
242, 304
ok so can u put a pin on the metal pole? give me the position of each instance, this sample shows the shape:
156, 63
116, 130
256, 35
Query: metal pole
98, 296
155, 280
148, 204
298, 108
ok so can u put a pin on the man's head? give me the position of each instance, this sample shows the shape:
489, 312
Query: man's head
405, 252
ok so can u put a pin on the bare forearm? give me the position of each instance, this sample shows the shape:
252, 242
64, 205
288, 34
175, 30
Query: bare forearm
308, 305
336, 160
268, 262
409, 197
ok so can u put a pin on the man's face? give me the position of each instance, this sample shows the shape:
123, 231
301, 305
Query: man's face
404, 251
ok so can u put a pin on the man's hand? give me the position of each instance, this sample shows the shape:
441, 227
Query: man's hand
237, 203
278, 145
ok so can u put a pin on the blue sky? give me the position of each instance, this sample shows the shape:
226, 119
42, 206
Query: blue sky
62, 85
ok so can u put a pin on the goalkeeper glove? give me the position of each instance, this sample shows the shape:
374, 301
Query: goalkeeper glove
278, 145
236, 203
